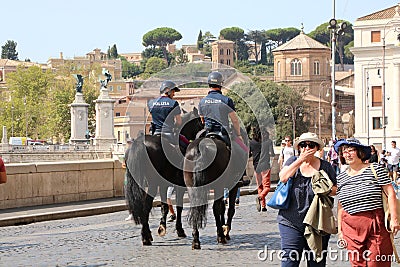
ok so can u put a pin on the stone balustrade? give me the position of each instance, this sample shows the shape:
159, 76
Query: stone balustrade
32, 184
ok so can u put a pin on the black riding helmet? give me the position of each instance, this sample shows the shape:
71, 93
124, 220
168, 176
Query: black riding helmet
168, 86
215, 78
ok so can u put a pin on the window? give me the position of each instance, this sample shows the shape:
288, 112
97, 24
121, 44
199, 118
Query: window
111, 88
376, 96
221, 61
228, 62
316, 68
375, 36
228, 51
221, 51
295, 67
117, 114
119, 87
278, 69
376, 123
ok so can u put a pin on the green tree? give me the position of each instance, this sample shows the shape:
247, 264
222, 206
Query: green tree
324, 35
250, 106
161, 37
29, 88
129, 70
277, 37
200, 43
155, 64
236, 35
113, 52
9, 50
208, 38
180, 57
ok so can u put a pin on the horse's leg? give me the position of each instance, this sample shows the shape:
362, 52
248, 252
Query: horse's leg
148, 205
219, 211
162, 228
231, 211
179, 207
196, 238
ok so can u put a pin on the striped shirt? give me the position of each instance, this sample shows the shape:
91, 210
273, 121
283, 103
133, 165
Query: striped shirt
362, 192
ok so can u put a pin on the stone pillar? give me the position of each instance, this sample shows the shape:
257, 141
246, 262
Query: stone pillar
79, 119
104, 138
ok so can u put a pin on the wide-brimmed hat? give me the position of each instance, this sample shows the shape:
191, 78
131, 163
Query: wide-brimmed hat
354, 143
311, 137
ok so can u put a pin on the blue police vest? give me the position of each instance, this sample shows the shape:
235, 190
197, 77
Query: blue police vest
162, 108
215, 108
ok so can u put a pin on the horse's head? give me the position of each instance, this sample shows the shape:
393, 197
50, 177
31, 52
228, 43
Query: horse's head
191, 124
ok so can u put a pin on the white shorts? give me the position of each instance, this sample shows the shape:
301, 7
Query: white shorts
170, 191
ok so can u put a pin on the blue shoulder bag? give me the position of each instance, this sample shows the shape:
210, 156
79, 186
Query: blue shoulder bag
281, 197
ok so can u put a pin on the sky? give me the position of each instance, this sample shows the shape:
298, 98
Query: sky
44, 28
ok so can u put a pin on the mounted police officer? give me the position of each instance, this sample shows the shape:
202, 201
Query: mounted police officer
165, 111
216, 108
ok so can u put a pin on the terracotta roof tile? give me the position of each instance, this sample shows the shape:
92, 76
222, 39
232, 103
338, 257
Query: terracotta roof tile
387, 13
301, 41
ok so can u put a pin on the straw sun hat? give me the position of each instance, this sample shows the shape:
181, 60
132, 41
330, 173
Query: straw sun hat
311, 137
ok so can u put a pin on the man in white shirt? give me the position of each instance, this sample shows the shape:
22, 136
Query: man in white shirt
287, 152
393, 155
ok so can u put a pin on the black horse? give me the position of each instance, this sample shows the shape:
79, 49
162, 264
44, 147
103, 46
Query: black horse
211, 164
149, 167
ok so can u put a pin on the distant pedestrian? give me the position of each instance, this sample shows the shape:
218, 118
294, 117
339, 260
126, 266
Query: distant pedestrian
393, 155
262, 150
3, 174
333, 158
170, 191
286, 153
374, 155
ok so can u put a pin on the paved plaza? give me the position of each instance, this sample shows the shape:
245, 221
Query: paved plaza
109, 240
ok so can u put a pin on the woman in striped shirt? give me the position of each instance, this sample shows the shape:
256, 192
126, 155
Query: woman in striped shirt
361, 225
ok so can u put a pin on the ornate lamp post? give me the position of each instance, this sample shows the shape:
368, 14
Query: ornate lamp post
294, 111
323, 85
336, 30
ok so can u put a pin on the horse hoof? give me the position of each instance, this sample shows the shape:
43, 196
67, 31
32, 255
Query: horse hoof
147, 242
162, 230
226, 229
221, 240
196, 245
181, 233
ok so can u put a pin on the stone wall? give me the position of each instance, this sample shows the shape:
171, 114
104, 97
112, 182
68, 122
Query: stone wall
41, 183
32, 184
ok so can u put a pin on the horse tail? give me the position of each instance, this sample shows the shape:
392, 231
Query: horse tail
135, 173
199, 192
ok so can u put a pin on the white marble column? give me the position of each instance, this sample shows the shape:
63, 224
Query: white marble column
104, 138
79, 119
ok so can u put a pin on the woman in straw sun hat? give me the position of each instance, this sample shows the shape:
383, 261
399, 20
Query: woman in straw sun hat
301, 169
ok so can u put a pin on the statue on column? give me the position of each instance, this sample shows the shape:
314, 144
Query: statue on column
107, 80
79, 82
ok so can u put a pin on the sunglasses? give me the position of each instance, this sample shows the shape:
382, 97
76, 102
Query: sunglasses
310, 145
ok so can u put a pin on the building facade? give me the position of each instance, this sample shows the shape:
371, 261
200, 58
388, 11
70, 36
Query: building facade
377, 71
304, 64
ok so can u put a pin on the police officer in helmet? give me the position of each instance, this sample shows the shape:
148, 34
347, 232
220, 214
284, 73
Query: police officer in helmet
165, 111
216, 108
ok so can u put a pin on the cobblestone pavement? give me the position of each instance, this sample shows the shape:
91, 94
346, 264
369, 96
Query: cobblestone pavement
109, 240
